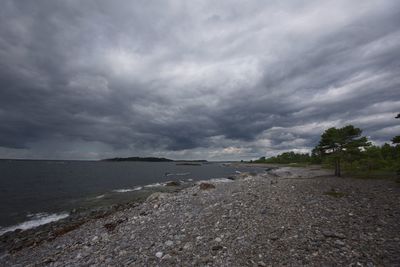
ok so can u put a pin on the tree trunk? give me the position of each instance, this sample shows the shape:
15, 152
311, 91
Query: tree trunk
336, 168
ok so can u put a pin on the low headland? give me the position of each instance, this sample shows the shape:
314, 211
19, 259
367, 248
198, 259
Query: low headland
283, 216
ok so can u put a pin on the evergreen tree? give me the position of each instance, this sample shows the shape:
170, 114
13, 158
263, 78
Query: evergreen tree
396, 139
341, 143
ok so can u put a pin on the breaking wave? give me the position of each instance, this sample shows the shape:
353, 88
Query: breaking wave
125, 190
35, 221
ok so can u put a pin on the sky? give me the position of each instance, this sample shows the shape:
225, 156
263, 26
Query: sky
216, 80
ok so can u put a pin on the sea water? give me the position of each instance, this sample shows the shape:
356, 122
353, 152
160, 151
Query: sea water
37, 192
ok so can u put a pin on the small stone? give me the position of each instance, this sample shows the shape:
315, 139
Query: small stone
328, 233
264, 211
218, 239
188, 245
339, 243
167, 257
204, 260
261, 263
159, 254
217, 247
274, 237
169, 243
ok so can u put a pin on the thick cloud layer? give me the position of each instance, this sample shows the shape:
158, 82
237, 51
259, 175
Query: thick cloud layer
198, 79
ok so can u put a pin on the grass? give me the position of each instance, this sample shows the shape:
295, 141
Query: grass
302, 164
375, 174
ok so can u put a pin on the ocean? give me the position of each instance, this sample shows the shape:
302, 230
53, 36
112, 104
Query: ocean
37, 192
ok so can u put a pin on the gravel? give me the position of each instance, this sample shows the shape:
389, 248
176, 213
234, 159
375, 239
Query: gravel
285, 216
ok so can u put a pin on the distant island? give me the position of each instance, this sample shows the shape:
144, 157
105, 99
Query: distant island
152, 159
149, 159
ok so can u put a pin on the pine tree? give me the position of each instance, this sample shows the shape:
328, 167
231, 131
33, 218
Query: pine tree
340, 143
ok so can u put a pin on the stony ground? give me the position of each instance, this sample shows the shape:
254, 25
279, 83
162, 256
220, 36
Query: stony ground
284, 217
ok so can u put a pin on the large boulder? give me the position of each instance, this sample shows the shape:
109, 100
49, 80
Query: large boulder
206, 186
173, 183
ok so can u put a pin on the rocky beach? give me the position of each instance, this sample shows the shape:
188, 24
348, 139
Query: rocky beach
285, 216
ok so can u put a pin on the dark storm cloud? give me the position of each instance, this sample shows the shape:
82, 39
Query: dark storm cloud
224, 80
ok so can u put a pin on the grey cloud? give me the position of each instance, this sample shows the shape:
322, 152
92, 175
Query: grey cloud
226, 80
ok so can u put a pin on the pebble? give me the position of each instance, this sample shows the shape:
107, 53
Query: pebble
167, 257
169, 243
339, 242
159, 254
217, 247
188, 245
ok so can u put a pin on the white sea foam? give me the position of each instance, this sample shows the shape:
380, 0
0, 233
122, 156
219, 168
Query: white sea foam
125, 190
98, 197
37, 219
177, 174
215, 180
221, 180
182, 174
154, 185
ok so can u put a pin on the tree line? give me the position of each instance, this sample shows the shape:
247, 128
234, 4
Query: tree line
346, 148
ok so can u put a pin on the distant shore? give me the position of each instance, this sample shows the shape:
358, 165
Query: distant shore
284, 216
153, 159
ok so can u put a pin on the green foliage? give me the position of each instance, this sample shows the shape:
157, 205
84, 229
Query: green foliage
341, 144
286, 158
396, 139
347, 139
345, 148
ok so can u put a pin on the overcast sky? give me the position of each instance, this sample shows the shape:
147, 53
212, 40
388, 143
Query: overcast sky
218, 80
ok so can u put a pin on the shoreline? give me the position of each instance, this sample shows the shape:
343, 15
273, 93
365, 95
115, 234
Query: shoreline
17, 239
99, 201
287, 216
113, 201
